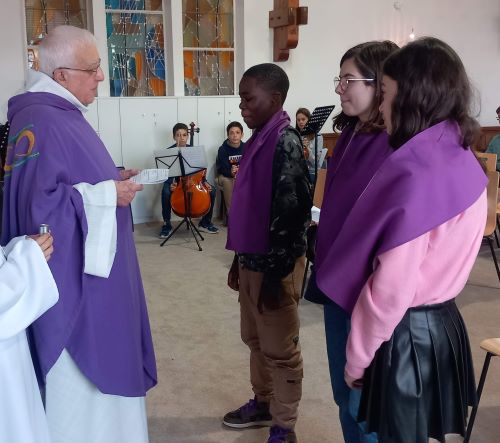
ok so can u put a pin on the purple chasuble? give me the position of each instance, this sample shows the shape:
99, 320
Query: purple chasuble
249, 218
423, 184
102, 322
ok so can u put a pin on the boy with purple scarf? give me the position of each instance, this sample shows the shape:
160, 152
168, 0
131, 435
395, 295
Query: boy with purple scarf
269, 215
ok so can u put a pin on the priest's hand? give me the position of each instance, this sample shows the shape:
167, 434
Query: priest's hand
125, 192
45, 241
125, 174
233, 277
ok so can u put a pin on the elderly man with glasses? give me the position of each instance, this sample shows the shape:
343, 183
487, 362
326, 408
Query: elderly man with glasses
93, 349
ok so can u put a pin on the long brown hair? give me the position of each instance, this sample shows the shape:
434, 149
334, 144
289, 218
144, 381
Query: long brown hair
307, 113
432, 86
368, 58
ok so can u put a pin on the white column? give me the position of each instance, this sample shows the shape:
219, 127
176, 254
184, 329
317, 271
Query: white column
99, 19
14, 52
176, 62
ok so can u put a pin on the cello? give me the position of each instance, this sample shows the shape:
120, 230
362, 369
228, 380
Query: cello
191, 198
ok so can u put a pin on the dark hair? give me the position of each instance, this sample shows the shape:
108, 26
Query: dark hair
234, 125
369, 58
303, 111
307, 113
498, 110
432, 86
271, 77
178, 126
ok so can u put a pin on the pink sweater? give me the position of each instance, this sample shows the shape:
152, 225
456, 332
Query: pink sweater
430, 269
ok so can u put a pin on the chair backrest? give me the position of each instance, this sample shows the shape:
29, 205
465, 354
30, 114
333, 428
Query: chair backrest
492, 193
488, 159
319, 190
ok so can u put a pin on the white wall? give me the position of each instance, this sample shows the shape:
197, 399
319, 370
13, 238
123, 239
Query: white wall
471, 28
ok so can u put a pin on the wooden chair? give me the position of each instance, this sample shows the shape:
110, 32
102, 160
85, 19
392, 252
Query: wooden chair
488, 159
491, 219
498, 223
492, 348
319, 190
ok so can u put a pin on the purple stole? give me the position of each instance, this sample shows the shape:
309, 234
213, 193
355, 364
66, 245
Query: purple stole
249, 217
423, 184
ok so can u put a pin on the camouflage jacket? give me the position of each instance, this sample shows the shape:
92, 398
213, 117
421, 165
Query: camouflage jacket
290, 210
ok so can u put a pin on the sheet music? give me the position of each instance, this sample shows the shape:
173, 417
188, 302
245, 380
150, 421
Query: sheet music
194, 159
318, 119
150, 176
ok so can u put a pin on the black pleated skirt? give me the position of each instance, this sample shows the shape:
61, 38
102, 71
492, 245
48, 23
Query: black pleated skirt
421, 381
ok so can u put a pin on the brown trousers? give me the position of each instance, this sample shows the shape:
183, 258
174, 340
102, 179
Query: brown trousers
273, 338
227, 185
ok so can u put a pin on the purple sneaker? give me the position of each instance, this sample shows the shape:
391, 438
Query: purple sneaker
253, 413
277, 434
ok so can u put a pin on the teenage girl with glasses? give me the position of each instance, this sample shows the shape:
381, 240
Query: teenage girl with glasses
360, 150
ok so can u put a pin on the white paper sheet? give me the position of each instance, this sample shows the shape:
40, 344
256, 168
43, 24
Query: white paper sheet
315, 213
150, 176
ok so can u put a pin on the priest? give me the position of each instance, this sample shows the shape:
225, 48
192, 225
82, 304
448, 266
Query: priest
93, 349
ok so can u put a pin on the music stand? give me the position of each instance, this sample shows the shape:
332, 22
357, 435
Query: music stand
314, 125
180, 166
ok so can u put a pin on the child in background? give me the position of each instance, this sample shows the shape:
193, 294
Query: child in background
226, 168
180, 134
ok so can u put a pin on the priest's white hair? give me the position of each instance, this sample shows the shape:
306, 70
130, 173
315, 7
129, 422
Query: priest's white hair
60, 47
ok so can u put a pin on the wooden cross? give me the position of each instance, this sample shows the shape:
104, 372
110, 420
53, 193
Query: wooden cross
285, 20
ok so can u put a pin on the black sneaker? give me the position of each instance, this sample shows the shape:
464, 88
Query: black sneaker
277, 434
253, 413
165, 231
209, 228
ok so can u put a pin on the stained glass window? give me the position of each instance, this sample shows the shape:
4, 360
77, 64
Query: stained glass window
208, 35
136, 51
43, 15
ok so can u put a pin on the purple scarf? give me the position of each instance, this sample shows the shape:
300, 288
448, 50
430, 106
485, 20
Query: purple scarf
423, 184
249, 218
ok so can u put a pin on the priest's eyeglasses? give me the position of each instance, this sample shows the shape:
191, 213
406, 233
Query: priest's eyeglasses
89, 70
343, 82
